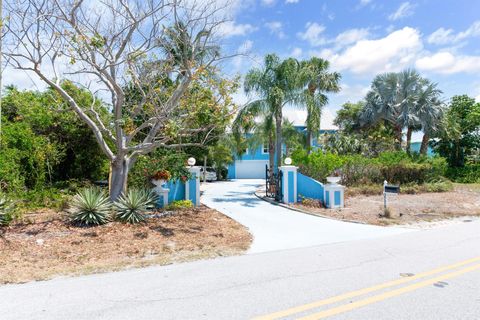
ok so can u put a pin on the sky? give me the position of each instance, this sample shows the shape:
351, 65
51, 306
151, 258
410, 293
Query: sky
362, 38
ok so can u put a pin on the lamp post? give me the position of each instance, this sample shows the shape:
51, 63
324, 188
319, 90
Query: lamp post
191, 161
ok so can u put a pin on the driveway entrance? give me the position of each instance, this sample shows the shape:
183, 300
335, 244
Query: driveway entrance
277, 228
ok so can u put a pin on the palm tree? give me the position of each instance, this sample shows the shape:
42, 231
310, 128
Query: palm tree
275, 85
317, 81
430, 112
393, 98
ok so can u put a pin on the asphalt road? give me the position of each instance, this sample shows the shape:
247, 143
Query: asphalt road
432, 274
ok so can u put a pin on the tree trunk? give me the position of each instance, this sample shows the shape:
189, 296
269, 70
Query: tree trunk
424, 146
118, 177
311, 90
409, 139
398, 138
278, 137
271, 151
309, 140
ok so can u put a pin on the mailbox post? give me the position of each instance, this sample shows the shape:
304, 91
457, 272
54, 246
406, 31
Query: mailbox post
392, 189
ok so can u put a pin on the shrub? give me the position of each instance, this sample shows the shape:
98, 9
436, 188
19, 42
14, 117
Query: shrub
180, 205
317, 164
359, 170
147, 165
91, 206
390, 158
468, 174
405, 172
6, 209
131, 207
313, 203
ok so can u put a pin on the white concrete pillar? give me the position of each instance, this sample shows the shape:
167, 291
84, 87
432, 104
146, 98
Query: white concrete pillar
289, 184
192, 186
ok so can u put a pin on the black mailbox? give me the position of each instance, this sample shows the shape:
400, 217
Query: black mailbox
391, 189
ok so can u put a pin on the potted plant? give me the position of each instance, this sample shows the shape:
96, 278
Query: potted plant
160, 177
335, 177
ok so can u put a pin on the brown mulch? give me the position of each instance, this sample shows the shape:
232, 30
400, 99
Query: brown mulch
45, 244
406, 208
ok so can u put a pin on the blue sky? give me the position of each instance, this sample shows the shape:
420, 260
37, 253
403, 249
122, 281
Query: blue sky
362, 38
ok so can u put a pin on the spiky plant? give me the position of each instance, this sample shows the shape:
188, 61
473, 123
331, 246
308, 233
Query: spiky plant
131, 206
91, 206
5, 210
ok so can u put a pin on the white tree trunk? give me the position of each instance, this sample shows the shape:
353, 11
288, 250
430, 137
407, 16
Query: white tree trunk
118, 177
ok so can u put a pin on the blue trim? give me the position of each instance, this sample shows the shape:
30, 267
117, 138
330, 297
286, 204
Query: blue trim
327, 201
192, 189
290, 187
336, 198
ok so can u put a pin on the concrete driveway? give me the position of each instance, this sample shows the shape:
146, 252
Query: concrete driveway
276, 228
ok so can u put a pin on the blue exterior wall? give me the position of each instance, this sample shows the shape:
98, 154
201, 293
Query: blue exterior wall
231, 171
415, 147
177, 190
309, 188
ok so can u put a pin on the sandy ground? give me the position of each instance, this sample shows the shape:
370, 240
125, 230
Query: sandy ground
45, 245
418, 210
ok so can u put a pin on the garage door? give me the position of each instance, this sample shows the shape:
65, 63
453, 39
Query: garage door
250, 169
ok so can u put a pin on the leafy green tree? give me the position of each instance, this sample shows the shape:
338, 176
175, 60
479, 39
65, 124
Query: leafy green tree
221, 155
369, 140
48, 116
460, 135
113, 54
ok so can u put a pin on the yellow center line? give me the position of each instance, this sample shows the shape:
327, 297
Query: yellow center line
356, 293
388, 294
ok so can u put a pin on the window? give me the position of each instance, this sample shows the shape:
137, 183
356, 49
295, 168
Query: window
265, 149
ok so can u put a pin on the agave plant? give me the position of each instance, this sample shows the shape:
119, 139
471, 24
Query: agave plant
5, 210
91, 206
131, 206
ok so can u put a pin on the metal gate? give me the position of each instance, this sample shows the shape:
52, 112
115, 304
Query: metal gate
273, 184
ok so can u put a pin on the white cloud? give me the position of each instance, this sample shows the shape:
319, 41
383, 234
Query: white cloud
448, 63
351, 36
391, 53
406, 9
276, 28
353, 93
291, 1
296, 52
364, 2
243, 51
446, 36
477, 98
231, 29
313, 34
268, 3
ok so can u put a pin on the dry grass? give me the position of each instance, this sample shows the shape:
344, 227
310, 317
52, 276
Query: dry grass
45, 245
464, 200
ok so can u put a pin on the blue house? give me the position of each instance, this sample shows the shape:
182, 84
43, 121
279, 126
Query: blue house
251, 165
